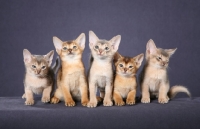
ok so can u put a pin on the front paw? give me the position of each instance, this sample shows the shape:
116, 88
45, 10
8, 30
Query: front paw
145, 100
70, 103
107, 103
92, 104
119, 102
54, 100
29, 102
130, 102
163, 100
45, 99
85, 102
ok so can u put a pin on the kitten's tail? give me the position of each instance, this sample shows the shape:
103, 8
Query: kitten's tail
56, 65
176, 89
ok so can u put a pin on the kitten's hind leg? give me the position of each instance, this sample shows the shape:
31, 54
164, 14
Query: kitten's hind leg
56, 97
24, 96
46, 94
131, 97
118, 99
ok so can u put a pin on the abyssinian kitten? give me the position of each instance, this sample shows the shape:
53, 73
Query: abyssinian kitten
101, 72
71, 79
125, 82
154, 78
39, 76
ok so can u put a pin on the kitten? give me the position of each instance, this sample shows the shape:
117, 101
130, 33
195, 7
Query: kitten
71, 79
39, 77
125, 82
154, 78
101, 73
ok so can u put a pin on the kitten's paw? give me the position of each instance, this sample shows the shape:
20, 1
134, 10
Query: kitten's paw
130, 102
23, 96
85, 102
92, 104
163, 100
107, 103
54, 100
29, 102
70, 103
119, 103
45, 99
145, 100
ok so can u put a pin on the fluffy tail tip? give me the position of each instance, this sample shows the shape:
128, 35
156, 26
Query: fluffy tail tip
176, 89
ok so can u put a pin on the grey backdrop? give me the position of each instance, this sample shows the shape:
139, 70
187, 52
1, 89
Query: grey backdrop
31, 24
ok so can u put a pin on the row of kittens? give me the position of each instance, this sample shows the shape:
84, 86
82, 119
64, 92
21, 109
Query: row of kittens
73, 85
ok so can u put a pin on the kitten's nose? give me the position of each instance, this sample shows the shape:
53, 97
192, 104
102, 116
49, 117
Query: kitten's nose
100, 51
125, 69
70, 50
38, 71
163, 63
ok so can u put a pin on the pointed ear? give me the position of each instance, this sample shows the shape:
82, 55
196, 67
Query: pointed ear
115, 41
151, 47
138, 59
171, 51
92, 39
81, 40
58, 44
49, 57
117, 56
27, 56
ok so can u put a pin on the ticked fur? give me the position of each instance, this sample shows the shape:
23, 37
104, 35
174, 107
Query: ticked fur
39, 77
125, 82
101, 73
71, 79
154, 78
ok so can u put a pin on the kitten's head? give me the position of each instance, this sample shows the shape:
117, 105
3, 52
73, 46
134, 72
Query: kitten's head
37, 65
103, 49
158, 57
70, 49
127, 66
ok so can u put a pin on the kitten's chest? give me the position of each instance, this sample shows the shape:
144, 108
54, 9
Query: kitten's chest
35, 82
101, 69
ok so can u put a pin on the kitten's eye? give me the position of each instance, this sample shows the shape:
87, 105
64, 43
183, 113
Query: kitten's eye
120, 65
33, 66
43, 67
159, 58
130, 67
74, 47
64, 48
96, 47
106, 48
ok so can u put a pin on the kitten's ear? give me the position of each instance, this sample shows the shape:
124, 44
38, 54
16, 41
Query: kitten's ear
58, 44
117, 56
115, 42
81, 40
171, 51
27, 56
49, 57
92, 39
138, 59
151, 47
